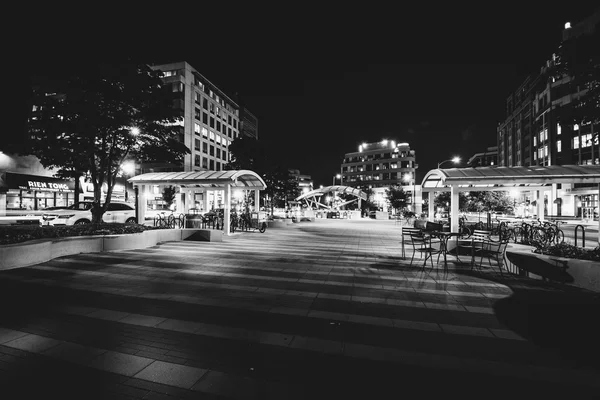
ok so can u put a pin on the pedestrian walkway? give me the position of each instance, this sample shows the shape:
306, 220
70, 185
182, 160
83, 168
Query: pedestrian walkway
323, 309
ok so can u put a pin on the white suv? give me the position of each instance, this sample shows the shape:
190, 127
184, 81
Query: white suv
116, 213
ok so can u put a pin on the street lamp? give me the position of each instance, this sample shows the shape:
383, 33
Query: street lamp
338, 176
455, 160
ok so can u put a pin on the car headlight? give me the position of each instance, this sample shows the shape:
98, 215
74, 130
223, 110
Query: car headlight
66, 216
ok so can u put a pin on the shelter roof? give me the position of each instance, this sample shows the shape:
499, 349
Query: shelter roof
244, 179
509, 177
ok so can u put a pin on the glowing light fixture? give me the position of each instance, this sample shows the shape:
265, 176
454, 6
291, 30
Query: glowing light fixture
135, 131
384, 142
128, 168
568, 25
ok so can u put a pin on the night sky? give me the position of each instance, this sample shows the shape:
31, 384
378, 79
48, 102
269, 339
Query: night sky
322, 81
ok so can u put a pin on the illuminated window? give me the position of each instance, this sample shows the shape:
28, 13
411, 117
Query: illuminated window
558, 146
546, 151
197, 128
204, 132
558, 129
576, 142
545, 134
211, 135
218, 139
575, 127
535, 140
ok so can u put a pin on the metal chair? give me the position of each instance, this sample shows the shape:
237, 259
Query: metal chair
424, 244
494, 249
406, 237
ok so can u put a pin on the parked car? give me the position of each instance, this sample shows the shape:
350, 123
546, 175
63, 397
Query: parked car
152, 213
116, 212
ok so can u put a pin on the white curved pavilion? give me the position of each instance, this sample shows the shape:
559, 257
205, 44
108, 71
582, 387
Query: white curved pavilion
194, 183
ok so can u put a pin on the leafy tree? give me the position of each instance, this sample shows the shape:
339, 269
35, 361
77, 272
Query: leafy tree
84, 122
276, 179
367, 205
488, 201
247, 153
168, 195
443, 200
396, 197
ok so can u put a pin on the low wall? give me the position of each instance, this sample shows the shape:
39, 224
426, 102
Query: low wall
585, 274
42, 250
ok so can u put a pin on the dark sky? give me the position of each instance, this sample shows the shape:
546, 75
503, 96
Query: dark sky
321, 80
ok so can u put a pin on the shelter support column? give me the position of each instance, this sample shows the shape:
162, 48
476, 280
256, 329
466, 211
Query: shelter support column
540, 204
180, 201
205, 201
453, 208
430, 209
256, 200
141, 202
598, 214
2, 204
553, 208
227, 209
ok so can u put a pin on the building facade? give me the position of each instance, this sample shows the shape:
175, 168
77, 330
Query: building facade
552, 119
211, 119
380, 165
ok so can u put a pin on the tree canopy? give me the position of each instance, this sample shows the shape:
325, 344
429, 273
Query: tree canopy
88, 120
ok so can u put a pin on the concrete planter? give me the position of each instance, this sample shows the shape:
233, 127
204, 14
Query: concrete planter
581, 273
42, 250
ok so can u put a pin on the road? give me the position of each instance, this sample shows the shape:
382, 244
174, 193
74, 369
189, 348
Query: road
323, 309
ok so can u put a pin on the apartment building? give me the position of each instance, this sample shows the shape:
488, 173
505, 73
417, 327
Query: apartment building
380, 165
552, 118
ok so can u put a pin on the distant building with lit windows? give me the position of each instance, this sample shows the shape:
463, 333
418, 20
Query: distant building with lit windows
381, 165
211, 120
484, 159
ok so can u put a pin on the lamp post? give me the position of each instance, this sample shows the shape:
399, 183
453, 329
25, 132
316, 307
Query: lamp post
338, 176
455, 160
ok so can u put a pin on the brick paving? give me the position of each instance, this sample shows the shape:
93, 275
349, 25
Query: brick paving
323, 309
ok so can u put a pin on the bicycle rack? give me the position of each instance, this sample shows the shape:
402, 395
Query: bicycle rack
582, 235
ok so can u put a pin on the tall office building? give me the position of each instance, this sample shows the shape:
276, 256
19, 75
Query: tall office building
248, 123
211, 119
552, 118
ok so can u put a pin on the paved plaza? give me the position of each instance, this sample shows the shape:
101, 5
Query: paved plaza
322, 309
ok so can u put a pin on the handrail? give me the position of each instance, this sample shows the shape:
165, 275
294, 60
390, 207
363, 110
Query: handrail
582, 235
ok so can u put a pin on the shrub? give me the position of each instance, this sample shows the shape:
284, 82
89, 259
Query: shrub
19, 234
569, 251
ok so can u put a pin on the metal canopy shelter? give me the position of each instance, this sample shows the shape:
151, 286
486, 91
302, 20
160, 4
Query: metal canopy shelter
206, 180
311, 197
504, 178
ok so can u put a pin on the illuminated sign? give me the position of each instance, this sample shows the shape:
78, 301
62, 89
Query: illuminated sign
34, 182
47, 185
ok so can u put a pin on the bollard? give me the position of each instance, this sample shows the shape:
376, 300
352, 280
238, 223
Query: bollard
582, 235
